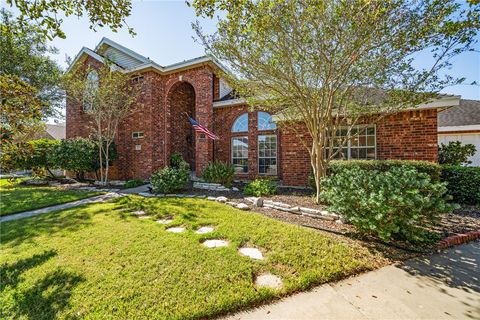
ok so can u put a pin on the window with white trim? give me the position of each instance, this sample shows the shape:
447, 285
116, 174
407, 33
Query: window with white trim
362, 143
240, 154
267, 154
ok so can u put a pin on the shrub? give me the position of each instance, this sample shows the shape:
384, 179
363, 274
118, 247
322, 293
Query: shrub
219, 172
133, 183
34, 154
78, 155
432, 169
463, 183
337, 166
398, 203
260, 187
455, 153
172, 178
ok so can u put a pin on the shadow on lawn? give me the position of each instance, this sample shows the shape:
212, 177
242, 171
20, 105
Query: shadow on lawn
22, 230
46, 297
10, 273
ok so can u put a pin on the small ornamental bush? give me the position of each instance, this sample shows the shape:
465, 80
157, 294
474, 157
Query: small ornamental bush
260, 187
455, 153
400, 203
219, 172
463, 183
171, 179
133, 183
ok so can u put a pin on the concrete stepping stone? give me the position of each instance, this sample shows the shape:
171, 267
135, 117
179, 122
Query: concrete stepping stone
144, 217
176, 229
215, 243
139, 213
253, 253
164, 221
204, 230
268, 280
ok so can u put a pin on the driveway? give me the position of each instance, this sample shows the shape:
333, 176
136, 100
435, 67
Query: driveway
441, 286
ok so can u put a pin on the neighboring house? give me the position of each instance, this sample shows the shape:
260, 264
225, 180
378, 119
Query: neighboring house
461, 123
249, 140
55, 131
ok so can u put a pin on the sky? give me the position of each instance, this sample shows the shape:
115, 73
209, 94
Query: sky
165, 35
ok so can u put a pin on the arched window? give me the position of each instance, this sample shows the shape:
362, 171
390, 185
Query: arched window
241, 124
265, 122
91, 87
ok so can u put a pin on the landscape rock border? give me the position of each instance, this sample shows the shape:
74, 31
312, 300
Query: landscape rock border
458, 239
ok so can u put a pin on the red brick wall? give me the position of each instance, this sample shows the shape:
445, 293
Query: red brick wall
410, 135
162, 128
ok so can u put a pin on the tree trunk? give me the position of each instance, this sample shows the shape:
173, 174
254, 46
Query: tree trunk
319, 166
107, 159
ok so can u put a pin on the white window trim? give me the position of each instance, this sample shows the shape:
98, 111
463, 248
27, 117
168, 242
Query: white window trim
258, 154
140, 135
349, 155
231, 152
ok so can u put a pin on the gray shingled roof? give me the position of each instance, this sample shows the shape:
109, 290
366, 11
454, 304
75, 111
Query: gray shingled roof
467, 113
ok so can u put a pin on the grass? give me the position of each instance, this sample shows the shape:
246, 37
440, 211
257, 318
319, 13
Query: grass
17, 198
100, 261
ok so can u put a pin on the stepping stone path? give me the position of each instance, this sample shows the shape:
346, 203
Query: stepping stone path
204, 230
215, 243
268, 280
176, 229
144, 217
139, 213
253, 253
164, 221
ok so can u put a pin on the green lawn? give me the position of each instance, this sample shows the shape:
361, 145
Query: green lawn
17, 198
100, 261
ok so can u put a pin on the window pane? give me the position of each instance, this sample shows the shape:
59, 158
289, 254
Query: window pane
240, 154
371, 130
371, 153
267, 154
371, 141
354, 153
241, 124
362, 141
362, 153
265, 121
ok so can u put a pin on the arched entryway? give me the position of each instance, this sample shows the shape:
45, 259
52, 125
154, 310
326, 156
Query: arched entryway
181, 101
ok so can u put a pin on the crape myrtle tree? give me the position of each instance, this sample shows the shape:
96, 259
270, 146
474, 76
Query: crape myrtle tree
108, 96
325, 65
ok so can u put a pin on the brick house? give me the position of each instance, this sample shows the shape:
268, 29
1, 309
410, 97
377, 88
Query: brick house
249, 140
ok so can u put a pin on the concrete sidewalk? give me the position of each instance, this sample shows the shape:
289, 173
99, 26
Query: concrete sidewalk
442, 286
63, 206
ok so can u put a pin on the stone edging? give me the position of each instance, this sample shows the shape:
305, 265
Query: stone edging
458, 239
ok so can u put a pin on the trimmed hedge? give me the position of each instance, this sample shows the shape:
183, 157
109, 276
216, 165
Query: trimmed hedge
463, 183
434, 170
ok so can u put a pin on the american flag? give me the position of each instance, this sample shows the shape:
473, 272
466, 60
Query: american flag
198, 127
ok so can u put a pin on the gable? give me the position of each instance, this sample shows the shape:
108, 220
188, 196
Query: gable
121, 58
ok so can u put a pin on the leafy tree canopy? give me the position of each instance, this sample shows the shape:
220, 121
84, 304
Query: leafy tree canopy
24, 53
44, 14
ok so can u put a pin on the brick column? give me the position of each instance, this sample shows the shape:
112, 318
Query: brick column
204, 114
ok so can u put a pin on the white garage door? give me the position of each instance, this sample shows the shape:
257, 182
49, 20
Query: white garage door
473, 138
